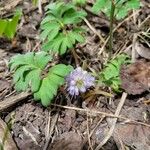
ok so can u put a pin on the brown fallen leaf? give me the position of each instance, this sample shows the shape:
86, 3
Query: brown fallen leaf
68, 141
142, 51
9, 144
133, 136
135, 78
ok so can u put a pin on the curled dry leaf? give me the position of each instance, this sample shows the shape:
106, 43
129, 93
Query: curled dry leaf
9, 144
135, 78
142, 51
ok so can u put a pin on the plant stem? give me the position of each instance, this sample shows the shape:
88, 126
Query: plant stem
111, 27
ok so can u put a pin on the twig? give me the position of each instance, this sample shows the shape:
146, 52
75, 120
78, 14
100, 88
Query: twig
111, 28
94, 112
75, 57
120, 105
40, 6
51, 131
88, 133
8, 102
102, 49
145, 20
133, 48
97, 125
94, 30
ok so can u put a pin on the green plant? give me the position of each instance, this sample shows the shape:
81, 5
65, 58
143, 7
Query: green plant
115, 9
34, 2
29, 72
121, 7
8, 26
59, 28
79, 2
110, 74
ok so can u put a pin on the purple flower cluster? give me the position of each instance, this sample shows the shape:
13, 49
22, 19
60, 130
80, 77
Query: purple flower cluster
79, 81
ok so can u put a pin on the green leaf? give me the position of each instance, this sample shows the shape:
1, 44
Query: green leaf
50, 30
121, 7
21, 85
27, 70
12, 25
42, 59
133, 4
33, 79
72, 16
51, 83
3, 25
61, 70
110, 74
55, 34
45, 93
99, 5
79, 2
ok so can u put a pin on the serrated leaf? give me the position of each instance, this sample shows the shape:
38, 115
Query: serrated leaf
51, 29
72, 16
15, 61
42, 59
21, 85
56, 37
121, 7
66, 43
60, 70
77, 36
33, 79
51, 83
19, 73
99, 5
53, 34
110, 74
45, 93
28, 68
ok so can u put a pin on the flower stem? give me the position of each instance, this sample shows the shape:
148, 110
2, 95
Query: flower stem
111, 27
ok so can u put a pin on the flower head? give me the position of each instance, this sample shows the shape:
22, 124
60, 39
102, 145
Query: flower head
79, 81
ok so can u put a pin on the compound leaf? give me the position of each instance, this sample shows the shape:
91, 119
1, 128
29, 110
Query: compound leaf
27, 70
51, 83
59, 27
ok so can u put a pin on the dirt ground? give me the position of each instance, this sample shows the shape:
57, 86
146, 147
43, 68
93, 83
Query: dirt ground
76, 124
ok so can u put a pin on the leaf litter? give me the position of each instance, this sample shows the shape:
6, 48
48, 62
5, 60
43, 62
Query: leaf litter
71, 128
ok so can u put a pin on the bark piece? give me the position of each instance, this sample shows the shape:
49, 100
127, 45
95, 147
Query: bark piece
9, 144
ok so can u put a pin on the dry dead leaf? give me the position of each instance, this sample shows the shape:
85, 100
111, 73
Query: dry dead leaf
142, 51
68, 141
125, 135
132, 135
135, 77
9, 143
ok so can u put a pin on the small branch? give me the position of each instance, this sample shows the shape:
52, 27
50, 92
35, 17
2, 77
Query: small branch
111, 28
102, 49
133, 48
120, 105
8, 102
94, 30
75, 57
40, 6
94, 112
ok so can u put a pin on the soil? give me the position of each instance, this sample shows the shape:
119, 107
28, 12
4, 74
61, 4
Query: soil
71, 124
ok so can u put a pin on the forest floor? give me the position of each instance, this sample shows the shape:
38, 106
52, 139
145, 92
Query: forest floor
76, 124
